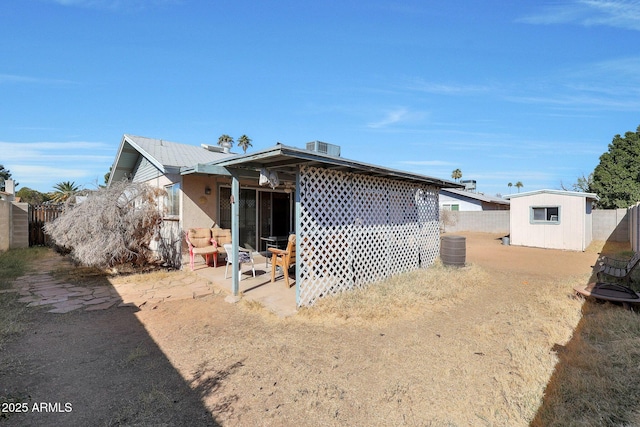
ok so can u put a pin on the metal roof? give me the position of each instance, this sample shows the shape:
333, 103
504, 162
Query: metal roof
285, 159
167, 156
476, 196
559, 192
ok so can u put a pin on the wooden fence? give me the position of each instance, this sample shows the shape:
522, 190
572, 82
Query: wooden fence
39, 215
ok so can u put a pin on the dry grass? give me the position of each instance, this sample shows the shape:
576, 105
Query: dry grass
13, 315
400, 294
81, 276
596, 380
442, 346
95, 276
150, 276
13, 264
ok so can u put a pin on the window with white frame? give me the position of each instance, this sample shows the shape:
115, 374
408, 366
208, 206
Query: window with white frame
545, 214
172, 200
450, 207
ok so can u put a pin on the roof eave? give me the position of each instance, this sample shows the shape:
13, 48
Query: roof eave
299, 155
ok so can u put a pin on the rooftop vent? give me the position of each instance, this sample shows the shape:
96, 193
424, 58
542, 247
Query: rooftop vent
212, 148
324, 148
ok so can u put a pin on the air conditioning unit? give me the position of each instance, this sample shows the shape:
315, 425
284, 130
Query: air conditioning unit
469, 184
324, 148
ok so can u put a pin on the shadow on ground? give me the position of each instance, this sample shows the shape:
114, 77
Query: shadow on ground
595, 379
97, 368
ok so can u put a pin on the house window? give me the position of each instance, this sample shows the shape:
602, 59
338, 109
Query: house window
172, 200
450, 207
545, 214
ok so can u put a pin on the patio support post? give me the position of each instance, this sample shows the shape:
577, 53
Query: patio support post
298, 230
235, 230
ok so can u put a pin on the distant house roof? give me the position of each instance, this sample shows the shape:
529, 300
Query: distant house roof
285, 159
559, 192
476, 196
167, 156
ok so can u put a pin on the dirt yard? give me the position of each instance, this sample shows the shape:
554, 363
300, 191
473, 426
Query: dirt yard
483, 358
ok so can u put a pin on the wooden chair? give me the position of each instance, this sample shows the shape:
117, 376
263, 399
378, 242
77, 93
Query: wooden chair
616, 268
283, 258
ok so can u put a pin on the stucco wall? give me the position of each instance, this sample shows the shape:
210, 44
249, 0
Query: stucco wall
198, 208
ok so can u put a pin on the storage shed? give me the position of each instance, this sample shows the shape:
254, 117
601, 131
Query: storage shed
552, 219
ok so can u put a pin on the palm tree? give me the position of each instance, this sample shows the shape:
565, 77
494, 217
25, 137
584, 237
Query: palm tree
456, 174
64, 190
519, 185
225, 141
509, 185
244, 142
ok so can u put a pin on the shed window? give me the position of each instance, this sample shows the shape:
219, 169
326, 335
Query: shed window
450, 207
545, 214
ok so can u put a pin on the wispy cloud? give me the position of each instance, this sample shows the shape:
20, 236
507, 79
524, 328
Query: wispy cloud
13, 78
39, 164
43, 152
611, 13
425, 163
612, 85
396, 116
44, 174
420, 85
115, 4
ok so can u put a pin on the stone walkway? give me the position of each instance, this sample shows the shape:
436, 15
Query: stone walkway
41, 288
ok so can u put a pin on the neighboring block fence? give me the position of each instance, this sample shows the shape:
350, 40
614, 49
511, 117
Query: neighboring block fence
481, 221
611, 224
14, 225
634, 227
608, 224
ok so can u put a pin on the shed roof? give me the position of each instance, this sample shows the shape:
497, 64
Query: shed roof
558, 192
285, 159
476, 196
167, 156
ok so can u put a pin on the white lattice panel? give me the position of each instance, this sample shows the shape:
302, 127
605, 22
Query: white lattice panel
357, 229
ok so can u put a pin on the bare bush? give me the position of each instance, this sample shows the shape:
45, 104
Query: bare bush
447, 218
113, 226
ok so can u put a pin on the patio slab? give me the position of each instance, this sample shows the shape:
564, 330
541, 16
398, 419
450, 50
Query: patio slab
275, 297
41, 289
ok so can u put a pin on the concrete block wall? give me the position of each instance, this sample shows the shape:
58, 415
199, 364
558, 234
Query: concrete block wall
481, 221
20, 225
5, 225
634, 229
610, 225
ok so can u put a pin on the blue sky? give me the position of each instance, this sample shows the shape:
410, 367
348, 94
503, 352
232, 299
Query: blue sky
504, 91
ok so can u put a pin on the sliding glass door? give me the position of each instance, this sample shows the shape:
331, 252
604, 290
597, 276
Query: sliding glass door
262, 214
248, 215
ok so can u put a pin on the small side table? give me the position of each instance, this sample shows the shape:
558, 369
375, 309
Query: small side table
279, 242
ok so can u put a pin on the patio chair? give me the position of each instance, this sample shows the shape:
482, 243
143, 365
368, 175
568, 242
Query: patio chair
201, 243
283, 258
616, 268
244, 257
